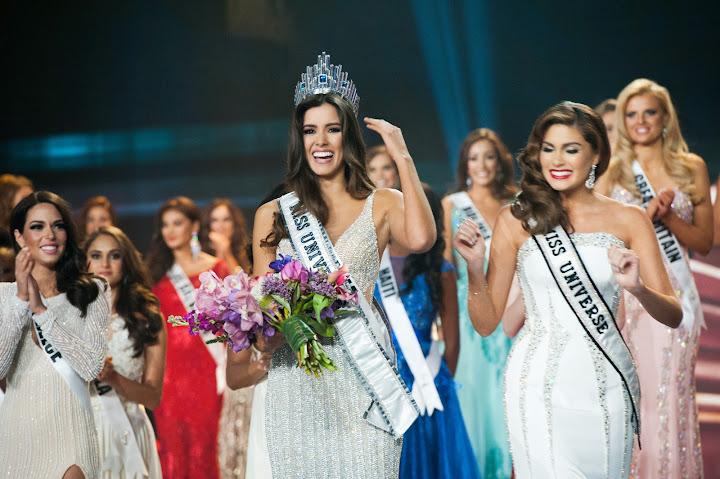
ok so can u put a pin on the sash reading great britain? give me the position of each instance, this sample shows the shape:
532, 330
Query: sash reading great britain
592, 312
423, 389
670, 247
365, 339
462, 200
185, 291
77, 384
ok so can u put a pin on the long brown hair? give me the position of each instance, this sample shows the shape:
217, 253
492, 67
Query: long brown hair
9, 186
538, 206
239, 239
160, 257
135, 302
503, 185
103, 203
674, 150
72, 277
300, 178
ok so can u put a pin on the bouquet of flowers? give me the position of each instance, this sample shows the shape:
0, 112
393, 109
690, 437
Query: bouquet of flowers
292, 299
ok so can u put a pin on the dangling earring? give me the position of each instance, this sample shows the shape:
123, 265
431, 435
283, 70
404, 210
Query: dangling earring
664, 133
195, 246
468, 182
590, 182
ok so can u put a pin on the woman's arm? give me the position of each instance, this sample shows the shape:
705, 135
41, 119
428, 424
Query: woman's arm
514, 315
243, 371
408, 213
449, 316
697, 236
487, 297
640, 270
81, 340
148, 391
448, 206
14, 318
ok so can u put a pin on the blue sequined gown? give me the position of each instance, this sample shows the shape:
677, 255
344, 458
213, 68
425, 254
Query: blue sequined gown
479, 375
435, 446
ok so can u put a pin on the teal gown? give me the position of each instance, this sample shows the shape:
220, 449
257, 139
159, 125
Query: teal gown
479, 374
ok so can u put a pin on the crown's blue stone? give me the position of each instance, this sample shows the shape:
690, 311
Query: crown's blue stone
344, 84
302, 86
323, 79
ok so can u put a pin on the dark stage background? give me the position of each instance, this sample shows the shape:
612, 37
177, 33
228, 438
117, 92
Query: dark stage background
142, 101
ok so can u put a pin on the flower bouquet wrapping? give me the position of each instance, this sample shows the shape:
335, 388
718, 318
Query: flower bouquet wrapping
292, 299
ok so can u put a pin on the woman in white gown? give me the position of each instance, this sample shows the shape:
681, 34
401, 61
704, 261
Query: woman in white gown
53, 325
132, 376
323, 428
571, 390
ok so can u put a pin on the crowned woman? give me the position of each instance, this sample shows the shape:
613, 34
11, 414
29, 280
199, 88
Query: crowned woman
350, 422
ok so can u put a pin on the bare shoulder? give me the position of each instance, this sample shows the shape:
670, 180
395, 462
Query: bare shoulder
698, 166
267, 210
623, 219
448, 202
510, 227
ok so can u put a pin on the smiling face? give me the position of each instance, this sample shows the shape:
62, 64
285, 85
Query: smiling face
177, 229
645, 119
482, 163
382, 171
44, 234
566, 158
323, 140
104, 258
221, 221
97, 216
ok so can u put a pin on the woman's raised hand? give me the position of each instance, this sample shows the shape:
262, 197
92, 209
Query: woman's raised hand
470, 244
392, 137
23, 268
625, 265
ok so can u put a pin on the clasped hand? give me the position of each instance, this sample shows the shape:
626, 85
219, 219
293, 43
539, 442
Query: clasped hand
659, 207
468, 241
625, 265
27, 286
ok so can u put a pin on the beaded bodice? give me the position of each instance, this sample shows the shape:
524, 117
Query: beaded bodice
122, 350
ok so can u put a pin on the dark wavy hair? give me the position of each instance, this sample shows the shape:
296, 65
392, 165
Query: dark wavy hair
134, 302
240, 238
160, 257
538, 201
72, 278
300, 178
100, 201
503, 185
428, 263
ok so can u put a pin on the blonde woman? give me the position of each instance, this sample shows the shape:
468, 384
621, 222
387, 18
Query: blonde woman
653, 168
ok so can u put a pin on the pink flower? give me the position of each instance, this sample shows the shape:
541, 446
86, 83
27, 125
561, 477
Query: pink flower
294, 271
212, 293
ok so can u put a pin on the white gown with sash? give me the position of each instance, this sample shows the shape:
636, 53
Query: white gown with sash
44, 427
315, 428
568, 414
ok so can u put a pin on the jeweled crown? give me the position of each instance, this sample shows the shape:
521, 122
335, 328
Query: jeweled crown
324, 77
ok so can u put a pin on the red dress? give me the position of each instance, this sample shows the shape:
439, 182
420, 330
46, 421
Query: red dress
187, 419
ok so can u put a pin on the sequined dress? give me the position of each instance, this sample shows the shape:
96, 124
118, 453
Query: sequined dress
188, 416
436, 446
567, 412
44, 428
315, 428
479, 375
665, 359
122, 349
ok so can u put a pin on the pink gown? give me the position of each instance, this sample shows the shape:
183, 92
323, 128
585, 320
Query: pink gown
665, 359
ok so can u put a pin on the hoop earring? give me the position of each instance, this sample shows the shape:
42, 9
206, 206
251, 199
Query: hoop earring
590, 182
195, 245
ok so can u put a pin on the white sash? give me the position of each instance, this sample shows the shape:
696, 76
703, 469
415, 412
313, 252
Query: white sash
77, 384
463, 201
423, 388
581, 294
186, 292
672, 251
364, 338
124, 450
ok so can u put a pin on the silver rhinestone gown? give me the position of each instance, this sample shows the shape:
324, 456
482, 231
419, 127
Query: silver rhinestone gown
315, 428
